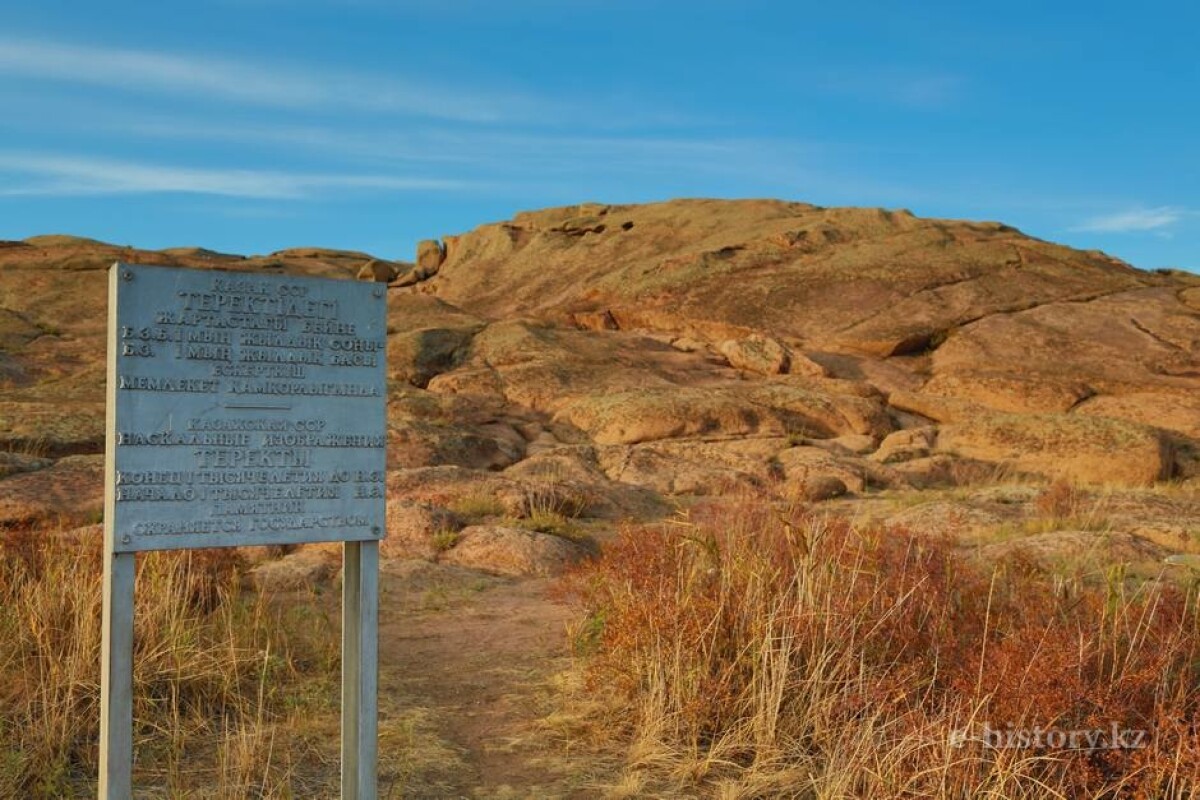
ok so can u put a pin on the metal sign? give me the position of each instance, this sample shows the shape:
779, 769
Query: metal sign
244, 409
249, 409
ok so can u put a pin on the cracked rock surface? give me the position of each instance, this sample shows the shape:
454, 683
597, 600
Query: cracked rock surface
629, 355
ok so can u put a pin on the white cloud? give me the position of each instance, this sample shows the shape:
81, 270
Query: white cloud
59, 175
1133, 220
255, 83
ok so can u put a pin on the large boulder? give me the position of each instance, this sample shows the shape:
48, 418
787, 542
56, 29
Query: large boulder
905, 445
418, 356
694, 466
426, 337
309, 567
570, 480
52, 429
430, 255
72, 489
1119, 342
641, 415
378, 271
418, 530
815, 473
936, 407
1084, 449
1008, 391
538, 365
756, 353
1178, 412
427, 444
444, 484
478, 494
513, 551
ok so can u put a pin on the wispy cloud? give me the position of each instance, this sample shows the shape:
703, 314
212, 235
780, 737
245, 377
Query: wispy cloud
31, 174
262, 84
894, 86
448, 149
557, 162
925, 91
1133, 220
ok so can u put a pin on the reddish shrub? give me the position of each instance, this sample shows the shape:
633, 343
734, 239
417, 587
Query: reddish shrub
741, 620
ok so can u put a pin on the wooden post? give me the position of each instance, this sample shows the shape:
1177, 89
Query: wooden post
116, 679
360, 676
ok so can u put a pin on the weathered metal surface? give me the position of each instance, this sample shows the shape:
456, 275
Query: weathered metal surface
116, 679
360, 672
245, 409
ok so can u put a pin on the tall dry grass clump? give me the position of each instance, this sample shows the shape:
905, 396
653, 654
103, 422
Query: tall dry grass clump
754, 653
213, 666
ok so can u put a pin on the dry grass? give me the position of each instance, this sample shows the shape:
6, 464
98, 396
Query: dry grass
445, 539
553, 524
551, 495
552, 504
477, 507
1061, 506
224, 683
747, 653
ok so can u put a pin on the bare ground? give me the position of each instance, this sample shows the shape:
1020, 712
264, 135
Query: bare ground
470, 661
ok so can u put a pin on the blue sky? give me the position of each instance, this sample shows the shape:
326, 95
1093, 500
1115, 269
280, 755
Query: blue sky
253, 125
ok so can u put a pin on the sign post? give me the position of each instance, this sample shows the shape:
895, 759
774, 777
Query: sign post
360, 624
244, 409
116, 678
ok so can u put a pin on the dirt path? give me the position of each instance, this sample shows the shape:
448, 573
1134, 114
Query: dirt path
466, 666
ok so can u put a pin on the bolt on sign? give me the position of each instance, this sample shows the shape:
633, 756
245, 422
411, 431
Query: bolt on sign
244, 409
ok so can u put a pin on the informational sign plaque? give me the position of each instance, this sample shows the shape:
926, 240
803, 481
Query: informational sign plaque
245, 409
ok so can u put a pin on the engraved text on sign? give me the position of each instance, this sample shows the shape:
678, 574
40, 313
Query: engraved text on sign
249, 409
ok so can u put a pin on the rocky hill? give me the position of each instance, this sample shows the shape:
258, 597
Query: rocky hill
606, 359
981, 341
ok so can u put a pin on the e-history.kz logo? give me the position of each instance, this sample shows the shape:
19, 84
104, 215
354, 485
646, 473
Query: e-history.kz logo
1112, 738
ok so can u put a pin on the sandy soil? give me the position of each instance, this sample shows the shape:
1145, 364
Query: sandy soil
473, 658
